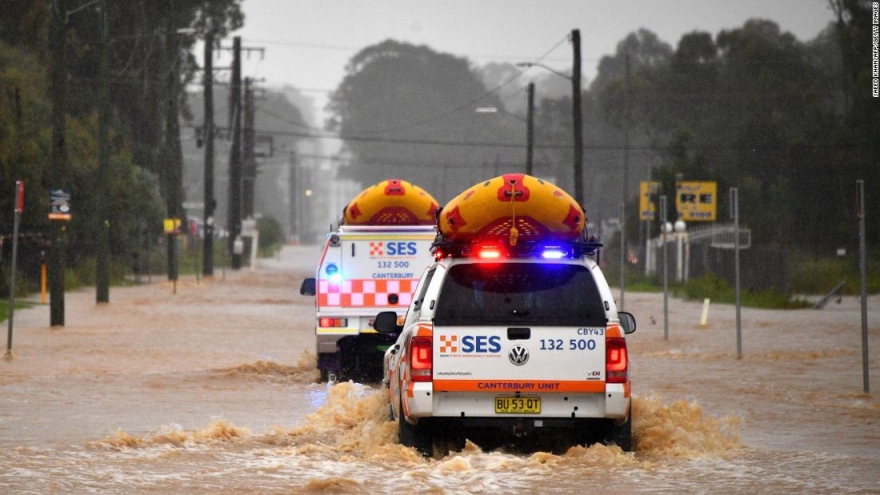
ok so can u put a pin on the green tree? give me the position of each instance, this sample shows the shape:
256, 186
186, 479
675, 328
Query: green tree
138, 86
397, 107
750, 109
858, 144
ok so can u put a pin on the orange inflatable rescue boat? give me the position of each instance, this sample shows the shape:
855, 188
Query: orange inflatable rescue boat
509, 208
391, 202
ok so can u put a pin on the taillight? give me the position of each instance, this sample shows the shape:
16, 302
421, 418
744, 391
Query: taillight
616, 360
421, 359
328, 322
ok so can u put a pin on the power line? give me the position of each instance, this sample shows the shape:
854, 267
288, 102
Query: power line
468, 105
352, 49
552, 146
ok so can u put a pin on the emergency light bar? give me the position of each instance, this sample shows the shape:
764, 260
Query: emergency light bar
489, 252
553, 253
529, 249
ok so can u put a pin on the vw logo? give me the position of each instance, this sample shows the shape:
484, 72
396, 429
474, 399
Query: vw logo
519, 355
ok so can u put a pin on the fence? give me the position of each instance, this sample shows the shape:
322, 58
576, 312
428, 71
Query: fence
710, 250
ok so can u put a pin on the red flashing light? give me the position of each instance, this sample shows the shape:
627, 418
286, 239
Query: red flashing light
328, 322
616, 360
421, 362
490, 252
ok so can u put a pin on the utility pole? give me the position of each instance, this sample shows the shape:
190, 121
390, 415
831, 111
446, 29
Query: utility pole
173, 157
625, 126
234, 215
58, 90
577, 116
293, 197
102, 278
530, 128
863, 289
236, 188
625, 180
210, 203
734, 209
249, 164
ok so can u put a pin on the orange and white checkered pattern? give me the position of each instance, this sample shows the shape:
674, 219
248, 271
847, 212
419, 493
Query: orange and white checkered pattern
448, 343
365, 293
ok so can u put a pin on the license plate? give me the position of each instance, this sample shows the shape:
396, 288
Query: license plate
517, 405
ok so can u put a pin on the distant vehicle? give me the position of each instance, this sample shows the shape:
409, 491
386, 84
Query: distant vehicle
370, 263
513, 335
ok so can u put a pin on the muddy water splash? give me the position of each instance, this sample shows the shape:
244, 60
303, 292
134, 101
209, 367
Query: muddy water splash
681, 429
305, 370
353, 425
347, 444
165, 406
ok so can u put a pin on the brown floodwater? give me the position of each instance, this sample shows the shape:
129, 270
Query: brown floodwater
210, 387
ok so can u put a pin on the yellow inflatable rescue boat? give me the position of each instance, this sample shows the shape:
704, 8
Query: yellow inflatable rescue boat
391, 202
512, 207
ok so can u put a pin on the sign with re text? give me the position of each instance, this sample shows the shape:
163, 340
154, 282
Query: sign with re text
696, 201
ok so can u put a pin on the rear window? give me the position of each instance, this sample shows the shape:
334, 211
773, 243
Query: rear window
537, 294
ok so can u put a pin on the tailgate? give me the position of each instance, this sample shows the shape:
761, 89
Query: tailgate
519, 359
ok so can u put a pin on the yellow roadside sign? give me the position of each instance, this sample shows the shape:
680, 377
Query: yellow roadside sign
647, 210
696, 201
172, 225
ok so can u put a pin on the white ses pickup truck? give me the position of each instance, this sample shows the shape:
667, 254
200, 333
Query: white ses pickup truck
508, 346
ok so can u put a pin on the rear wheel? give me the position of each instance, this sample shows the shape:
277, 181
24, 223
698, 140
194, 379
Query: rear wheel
418, 436
620, 434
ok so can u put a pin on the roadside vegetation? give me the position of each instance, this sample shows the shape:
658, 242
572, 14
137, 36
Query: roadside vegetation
809, 276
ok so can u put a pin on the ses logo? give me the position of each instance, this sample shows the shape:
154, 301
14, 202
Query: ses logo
470, 345
400, 248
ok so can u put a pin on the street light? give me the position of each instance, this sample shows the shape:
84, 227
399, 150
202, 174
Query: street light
577, 124
529, 121
528, 65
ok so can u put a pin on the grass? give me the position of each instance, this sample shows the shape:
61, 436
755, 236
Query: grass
808, 275
718, 290
4, 309
811, 275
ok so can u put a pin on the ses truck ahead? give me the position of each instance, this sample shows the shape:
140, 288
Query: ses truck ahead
371, 263
513, 335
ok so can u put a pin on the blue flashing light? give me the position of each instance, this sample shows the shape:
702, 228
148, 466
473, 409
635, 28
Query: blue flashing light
553, 253
333, 273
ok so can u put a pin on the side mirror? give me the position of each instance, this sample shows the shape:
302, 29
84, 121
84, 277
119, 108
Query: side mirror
627, 321
386, 322
308, 287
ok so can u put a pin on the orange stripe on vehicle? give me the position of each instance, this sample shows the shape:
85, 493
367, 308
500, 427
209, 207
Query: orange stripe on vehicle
511, 386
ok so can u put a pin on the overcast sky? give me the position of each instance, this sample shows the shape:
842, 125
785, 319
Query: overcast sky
307, 43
